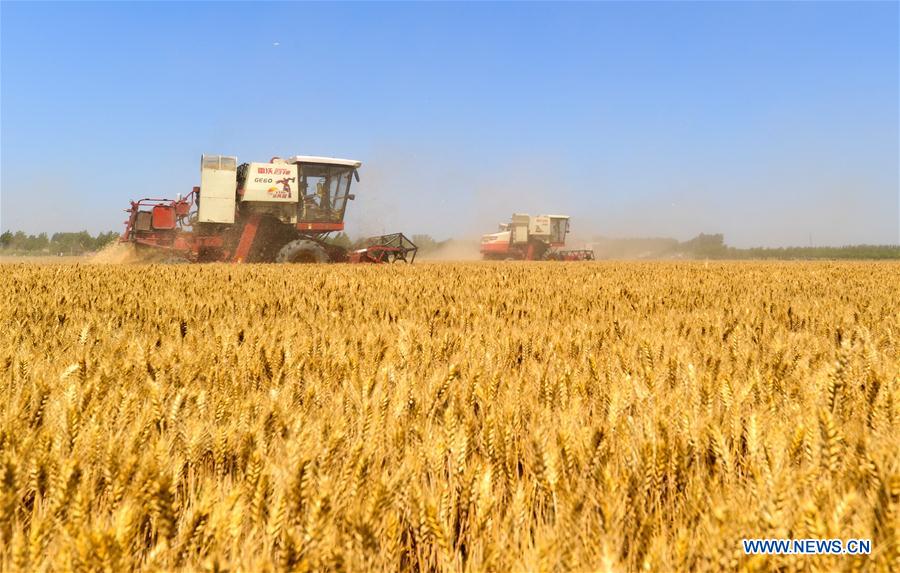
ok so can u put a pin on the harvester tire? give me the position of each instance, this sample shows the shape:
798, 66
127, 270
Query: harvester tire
302, 251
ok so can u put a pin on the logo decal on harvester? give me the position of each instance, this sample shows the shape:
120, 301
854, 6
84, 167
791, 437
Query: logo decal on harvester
284, 192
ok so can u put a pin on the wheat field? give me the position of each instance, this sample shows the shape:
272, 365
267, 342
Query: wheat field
447, 417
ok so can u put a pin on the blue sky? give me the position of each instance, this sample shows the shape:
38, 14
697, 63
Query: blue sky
768, 122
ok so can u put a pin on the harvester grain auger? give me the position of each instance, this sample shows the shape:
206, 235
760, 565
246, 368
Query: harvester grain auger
280, 211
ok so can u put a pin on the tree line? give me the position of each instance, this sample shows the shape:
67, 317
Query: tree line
714, 247
707, 246
55, 244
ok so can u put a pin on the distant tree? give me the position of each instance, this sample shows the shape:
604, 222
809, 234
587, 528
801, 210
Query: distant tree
426, 243
85, 240
423, 241
703, 245
104, 239
58, 243
40, 243
64, 243
341, 240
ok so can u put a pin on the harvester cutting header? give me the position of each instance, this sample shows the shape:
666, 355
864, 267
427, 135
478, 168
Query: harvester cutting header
280, 211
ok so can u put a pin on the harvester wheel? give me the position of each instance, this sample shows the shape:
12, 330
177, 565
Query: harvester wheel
302, 251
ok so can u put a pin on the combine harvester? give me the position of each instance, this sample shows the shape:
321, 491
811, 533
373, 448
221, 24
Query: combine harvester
280, 211
532, 238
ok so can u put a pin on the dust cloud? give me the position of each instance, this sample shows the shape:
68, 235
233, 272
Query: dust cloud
453, 250
115, 254
769, 200
126, 253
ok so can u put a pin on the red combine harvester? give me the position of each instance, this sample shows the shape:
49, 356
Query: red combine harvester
281, 211
532, 238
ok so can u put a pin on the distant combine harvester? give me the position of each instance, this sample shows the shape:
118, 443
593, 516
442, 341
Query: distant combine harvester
532, 238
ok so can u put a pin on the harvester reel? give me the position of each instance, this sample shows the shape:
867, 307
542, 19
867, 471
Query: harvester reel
390, 249
302, 251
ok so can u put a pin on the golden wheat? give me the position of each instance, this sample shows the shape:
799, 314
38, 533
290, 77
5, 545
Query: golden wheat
447, 417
